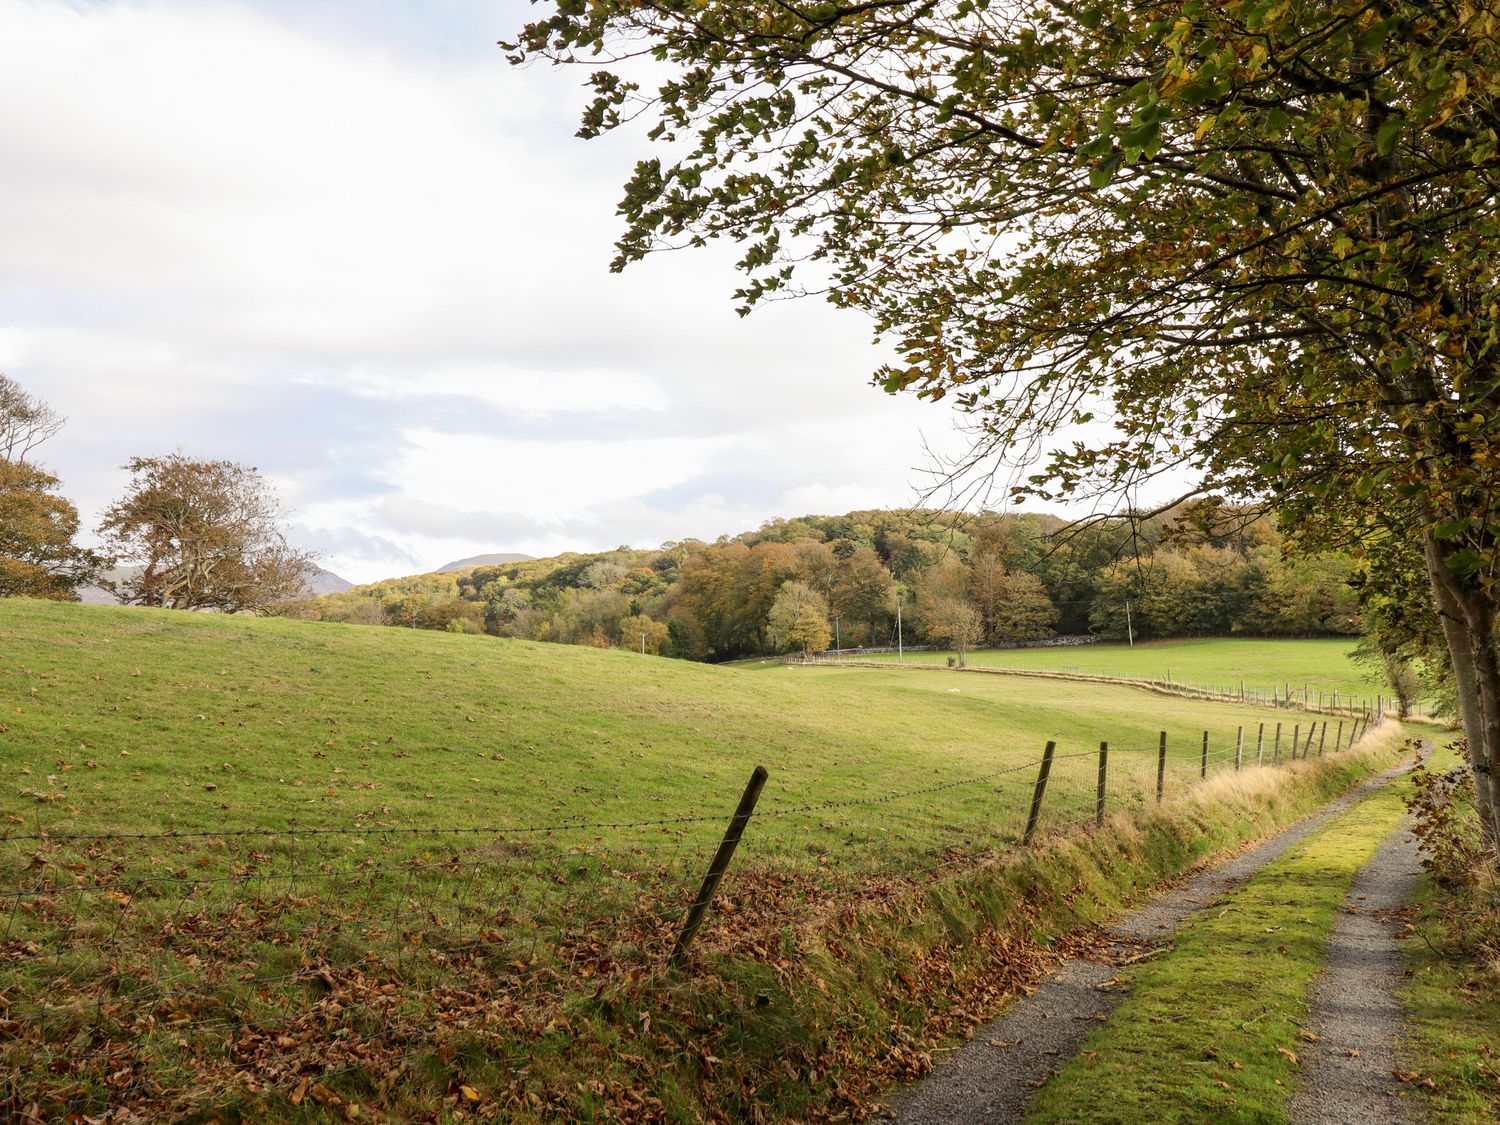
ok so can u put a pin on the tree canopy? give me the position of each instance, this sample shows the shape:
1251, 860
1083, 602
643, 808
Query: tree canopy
1258, 236
206, 534
38, 558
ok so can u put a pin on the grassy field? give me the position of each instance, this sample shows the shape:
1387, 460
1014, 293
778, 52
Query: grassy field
137, 720
1319, 664
376, 832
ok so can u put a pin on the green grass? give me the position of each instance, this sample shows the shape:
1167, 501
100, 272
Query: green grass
1210, 1030
1452, 990
505, 944
1452, 999
138, 720
1320, 664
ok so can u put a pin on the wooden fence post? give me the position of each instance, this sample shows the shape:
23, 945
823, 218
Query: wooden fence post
1161, 767
1038, 792
1103, 782
1296, 732
1307, 746
1260, 745
1339, 738
1276, 750
1203, 769
1239, 746
1322, 737
719, 865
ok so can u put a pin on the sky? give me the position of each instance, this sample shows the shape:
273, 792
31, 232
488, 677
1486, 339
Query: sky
350, 245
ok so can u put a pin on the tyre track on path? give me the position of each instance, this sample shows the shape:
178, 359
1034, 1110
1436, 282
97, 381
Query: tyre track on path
1348, 1075
992, 1078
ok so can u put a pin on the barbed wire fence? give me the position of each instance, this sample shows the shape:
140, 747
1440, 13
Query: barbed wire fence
156, 974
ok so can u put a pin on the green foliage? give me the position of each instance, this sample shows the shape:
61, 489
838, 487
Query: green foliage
1262, 235
809, 632
642, 634
794, 619
1450, 1000
1026, 576
1262, 232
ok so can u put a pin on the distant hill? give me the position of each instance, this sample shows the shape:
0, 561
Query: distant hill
98, 595
327, 582
322, 582
479, 560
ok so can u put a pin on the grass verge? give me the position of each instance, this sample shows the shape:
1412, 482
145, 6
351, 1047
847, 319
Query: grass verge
1452, 992
1211, 1030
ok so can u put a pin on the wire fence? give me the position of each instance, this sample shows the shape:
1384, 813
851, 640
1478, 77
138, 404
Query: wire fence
1285, 696
164, 975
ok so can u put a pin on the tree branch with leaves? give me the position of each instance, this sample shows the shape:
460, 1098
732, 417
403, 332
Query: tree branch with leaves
1257, 236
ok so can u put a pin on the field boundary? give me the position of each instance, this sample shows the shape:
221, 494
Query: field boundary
1357, 707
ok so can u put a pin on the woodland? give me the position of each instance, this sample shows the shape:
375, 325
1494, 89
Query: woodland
957, 580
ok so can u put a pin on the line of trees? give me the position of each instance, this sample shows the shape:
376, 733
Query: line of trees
959, 581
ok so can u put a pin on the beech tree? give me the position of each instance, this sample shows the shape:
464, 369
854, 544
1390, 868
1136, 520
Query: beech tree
1261, 234
206, 534
788, 623
1025, 613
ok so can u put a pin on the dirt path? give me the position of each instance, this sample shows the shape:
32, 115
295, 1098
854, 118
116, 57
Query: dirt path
992, 1077
1348, 1074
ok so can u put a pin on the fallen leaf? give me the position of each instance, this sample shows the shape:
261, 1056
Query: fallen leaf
1290, 1055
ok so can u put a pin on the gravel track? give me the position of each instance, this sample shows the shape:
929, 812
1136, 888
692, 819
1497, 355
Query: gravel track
1348, 1075
992, 1078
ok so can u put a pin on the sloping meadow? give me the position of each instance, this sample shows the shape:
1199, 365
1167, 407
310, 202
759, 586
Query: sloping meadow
271, 868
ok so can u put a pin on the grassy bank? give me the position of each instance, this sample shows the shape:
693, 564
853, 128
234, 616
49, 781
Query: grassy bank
1221, 1014
1452, 995
437, 873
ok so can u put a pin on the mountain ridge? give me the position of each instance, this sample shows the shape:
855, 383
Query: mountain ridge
493, 559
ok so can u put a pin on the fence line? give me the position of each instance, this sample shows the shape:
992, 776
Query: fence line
136, 969
1286, 698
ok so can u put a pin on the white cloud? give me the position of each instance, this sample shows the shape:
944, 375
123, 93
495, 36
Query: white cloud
381, 278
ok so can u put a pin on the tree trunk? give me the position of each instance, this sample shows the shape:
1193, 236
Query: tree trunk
1468, 614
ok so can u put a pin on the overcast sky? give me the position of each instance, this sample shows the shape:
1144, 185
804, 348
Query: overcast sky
348, 244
